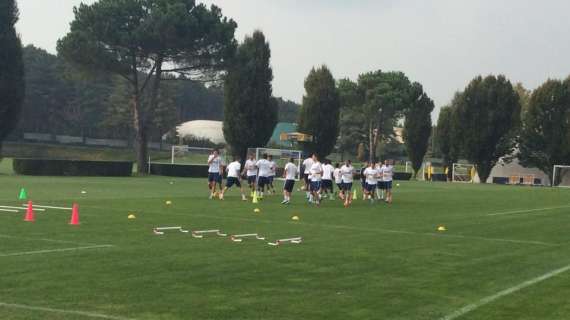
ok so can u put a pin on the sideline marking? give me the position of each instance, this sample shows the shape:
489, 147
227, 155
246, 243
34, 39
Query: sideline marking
526, 211
46, 240
73, 312
25, 253
470, 307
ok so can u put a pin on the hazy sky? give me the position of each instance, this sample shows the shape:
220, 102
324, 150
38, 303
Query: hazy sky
440, 43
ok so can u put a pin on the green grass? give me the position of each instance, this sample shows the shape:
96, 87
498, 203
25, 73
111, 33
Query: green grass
365, 262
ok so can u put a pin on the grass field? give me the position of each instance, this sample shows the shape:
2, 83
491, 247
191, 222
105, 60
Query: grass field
504, 256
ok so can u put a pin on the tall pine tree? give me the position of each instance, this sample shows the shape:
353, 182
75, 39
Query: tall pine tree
488, 115
250, 111
11, 70
320, 112
417, 128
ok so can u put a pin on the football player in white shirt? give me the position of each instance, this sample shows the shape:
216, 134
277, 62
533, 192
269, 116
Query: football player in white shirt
388, 176
381, 187
347, 176
307, 164
272, 170
289, 174
250, 171
338, 179
316, 179
214, 163
327, 184
371, 176
233, 170
264, 168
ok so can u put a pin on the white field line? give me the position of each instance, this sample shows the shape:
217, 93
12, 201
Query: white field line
25, 253
526, 211
9, 210
46, 240
471, 307
62, 311
47, 207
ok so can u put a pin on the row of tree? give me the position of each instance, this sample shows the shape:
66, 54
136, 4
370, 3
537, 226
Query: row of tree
61, 100
351, 116
492, 121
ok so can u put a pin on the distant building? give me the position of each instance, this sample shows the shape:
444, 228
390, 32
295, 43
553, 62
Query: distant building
213, 131
204, 129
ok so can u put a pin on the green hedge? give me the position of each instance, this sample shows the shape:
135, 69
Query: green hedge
45, 167
179, 170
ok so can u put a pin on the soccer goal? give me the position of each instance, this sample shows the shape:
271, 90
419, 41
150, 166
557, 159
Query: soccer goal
192, 155
280, 156
463, 172
561, 176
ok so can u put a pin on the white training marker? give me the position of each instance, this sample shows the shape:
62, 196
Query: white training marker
19, 208
200, 233
296, 240
48, 207
160, 230
240, 237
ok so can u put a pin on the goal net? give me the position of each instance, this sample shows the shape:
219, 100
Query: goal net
280, 156
561, 176
192, 155
463, 172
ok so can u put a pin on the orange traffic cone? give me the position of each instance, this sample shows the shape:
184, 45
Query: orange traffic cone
30, 213
74, 215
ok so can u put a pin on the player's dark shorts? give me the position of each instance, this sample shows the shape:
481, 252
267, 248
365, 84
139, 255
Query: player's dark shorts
339, 186
270, 180
213, 176
289, 184
306, 178
262, 181
315, 186
381, 185
219, 179
370, 187
388, 185
251, 179
231, 181
327, 184
363, 184
346, 186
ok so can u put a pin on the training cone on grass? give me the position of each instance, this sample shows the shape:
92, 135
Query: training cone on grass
441, 228
74, 215
30, 217
295, 218
23, 194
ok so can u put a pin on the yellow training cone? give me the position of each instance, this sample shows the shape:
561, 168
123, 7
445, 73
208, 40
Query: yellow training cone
256, 210
296, 218
131, 216
441, 228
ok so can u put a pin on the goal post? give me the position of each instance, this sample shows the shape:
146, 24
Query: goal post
561, 176
280, 156
192, 155
463, 172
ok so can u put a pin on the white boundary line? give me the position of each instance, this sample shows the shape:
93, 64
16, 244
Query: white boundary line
526, 211
25, 253
46, 240
471, 307
62, 311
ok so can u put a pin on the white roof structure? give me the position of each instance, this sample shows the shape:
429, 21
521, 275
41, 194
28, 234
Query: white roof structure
206, 129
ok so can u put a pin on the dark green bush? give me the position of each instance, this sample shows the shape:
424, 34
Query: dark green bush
48, 167
179, 170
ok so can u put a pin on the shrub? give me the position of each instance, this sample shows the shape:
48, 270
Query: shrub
49, 167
